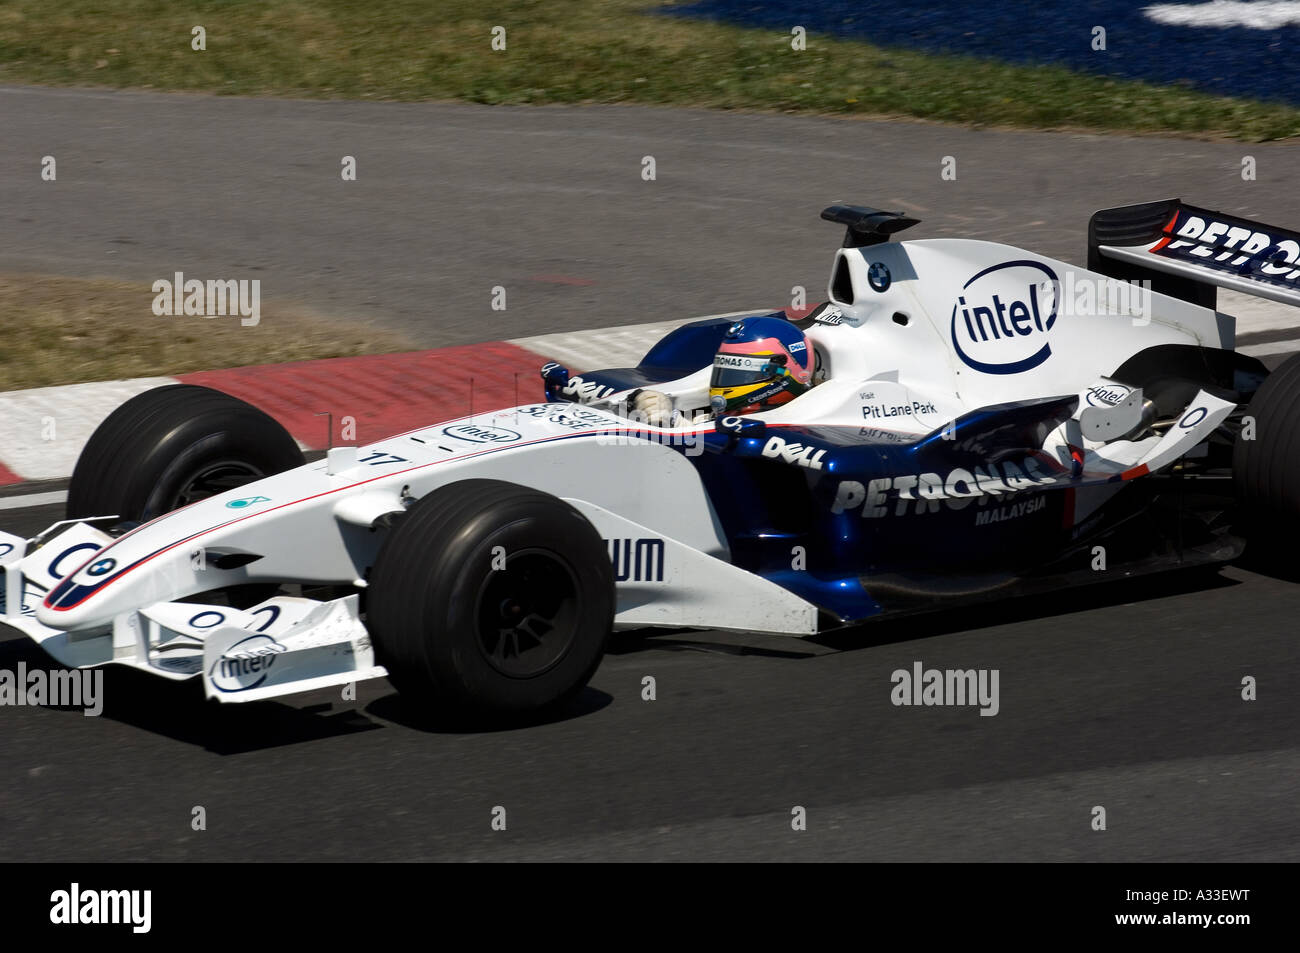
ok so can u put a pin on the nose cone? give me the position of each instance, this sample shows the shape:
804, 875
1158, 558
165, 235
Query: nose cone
161, 561
80, 599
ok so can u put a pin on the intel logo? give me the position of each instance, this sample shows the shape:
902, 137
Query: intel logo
1002, 319
474, 433
246, 664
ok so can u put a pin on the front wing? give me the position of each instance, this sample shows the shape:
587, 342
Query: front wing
283, 645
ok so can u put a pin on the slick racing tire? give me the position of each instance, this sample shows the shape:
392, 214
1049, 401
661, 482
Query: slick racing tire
1266, 469
491, 599
172, 446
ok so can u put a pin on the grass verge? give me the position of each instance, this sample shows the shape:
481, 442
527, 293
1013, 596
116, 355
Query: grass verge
69, 330
578, 51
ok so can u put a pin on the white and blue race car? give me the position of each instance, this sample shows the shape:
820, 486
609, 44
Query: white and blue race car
984, 422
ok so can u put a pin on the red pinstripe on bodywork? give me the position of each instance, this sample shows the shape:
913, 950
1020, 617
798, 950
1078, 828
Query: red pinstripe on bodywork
239, 519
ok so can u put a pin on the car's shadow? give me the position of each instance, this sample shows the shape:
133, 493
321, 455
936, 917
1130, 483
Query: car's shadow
178, 710
940, 621
633, 641
393, 708
1275, 561
1045, 605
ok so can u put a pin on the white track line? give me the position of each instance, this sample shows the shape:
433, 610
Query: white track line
1271, 347
1257, 314
33, 499
43, 430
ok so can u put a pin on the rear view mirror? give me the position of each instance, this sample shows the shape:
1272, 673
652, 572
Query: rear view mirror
555, 377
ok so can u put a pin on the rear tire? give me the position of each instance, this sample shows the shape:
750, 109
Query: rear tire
1266, 470
171, 446
465, 626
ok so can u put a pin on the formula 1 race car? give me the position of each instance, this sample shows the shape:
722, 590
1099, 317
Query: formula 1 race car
984, 422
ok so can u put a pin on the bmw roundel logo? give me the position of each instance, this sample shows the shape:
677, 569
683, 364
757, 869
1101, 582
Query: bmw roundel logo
100, 567
878, 275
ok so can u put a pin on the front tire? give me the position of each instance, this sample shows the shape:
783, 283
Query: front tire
172, 446
491, 598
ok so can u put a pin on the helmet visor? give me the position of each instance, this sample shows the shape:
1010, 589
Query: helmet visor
737, 370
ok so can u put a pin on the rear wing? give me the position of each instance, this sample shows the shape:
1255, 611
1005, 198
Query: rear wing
1188, 252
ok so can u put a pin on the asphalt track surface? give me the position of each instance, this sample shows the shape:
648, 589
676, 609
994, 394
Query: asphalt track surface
451, 201
1125, 697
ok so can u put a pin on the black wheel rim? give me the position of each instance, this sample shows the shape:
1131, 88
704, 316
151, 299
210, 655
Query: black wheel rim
211, 480
527, 614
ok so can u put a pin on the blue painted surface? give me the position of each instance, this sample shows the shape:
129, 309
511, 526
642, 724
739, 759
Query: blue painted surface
686, 349
768, 507
1233, 61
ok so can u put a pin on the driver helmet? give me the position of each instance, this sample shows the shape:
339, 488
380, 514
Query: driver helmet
762, 362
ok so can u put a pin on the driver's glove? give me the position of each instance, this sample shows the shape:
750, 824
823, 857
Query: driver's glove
654, 407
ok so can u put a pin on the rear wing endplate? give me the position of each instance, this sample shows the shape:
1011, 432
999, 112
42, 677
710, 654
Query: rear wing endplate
1188, 252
